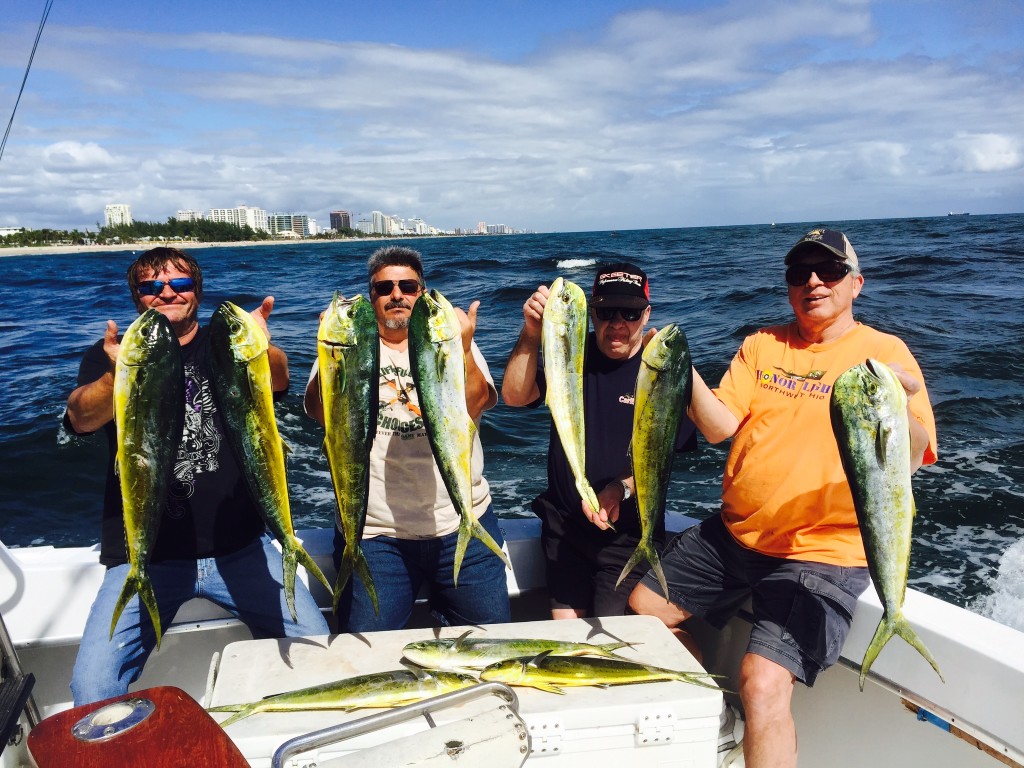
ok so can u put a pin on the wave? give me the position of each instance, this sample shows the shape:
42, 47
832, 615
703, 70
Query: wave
1006, 603
575, 263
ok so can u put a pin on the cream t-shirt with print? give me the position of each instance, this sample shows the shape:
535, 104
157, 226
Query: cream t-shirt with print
407, 497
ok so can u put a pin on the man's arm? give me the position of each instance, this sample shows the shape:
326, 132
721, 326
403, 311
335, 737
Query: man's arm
519, 384
480, 395
712, 417
918, 434
91, 405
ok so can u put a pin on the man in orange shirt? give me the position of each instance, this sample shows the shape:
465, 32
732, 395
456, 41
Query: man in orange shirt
787, 535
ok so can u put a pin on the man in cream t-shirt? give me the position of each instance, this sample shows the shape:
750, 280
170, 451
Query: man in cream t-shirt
411, 523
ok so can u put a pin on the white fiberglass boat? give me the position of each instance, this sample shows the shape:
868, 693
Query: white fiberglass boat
906, 716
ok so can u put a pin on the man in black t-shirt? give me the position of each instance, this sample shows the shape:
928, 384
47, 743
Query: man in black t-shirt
584, 555
212, 541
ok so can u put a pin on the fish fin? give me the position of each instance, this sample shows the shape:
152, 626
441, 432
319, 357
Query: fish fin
469, 527
645, 551
289, 562
549, 687
697, 678
441, 364
538, 659
240, 713
363, 569
286, 448
882, 434
904, 630
608, 649
883, 633
138, 583
307, 562
459, 641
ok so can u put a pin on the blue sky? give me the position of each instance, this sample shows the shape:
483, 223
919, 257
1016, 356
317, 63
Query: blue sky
539, 114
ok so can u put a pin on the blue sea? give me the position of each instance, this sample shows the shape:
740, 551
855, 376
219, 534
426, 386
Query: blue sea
950, 286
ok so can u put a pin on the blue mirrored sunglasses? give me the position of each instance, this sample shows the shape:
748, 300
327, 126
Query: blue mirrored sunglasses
156, 287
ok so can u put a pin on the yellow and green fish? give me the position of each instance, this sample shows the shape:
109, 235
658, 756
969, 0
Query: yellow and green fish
663, 388
348, 355
438, 364
244, 390
869, 418
563, 344
378, 689
149, 399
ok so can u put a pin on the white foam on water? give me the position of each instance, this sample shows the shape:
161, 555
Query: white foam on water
1006, 603
575, 263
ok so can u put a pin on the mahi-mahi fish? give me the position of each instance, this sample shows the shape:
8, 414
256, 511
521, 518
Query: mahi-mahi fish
563, 342
149, 396
663, 388
462, 653
243, 386
870, 422
438, 364
378, 689
348, 354
551, 673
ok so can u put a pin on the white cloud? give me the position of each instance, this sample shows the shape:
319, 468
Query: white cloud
664, 118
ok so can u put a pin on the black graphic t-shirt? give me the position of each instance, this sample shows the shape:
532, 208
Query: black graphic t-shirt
608, 395
209, 510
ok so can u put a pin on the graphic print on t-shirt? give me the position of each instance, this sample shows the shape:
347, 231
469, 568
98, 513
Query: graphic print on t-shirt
200, 441
399, 410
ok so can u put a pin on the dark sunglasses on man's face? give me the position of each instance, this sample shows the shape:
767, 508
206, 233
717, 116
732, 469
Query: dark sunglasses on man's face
608, 313
385, 287
827, 272
156, 287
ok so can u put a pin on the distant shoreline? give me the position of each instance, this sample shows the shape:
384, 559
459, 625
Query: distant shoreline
43, 250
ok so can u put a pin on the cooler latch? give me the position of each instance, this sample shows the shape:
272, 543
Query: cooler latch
545, 735
655, 726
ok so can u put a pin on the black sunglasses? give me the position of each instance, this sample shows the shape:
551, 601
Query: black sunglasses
609, 313
385, 287
156, 287
827, 272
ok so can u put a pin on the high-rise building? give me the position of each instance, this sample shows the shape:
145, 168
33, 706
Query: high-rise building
281, 223
341, 220
116, 214
241, 216
190, 215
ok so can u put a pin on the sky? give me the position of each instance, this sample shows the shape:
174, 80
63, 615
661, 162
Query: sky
542, 115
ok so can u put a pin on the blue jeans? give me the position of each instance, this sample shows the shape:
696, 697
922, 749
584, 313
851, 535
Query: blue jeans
247, 583
400, 568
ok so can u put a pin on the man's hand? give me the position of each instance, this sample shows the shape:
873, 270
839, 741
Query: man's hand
262, 313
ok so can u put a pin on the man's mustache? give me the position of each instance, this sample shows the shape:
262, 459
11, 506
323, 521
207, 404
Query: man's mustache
398, 304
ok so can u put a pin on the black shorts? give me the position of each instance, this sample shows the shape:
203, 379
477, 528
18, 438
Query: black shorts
802, 610
583, 562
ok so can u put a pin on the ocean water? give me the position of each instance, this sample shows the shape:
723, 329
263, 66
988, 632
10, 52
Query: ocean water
951, 287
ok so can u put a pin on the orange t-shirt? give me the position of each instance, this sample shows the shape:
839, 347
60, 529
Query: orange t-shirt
784, 492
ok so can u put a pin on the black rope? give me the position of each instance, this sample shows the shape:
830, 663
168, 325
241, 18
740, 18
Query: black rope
39, 34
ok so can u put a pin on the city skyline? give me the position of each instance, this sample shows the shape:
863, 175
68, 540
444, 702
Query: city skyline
558, 116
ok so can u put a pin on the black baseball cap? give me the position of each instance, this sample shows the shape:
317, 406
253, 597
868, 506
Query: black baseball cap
621, 285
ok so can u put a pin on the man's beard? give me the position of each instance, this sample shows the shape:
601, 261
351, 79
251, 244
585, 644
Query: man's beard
400, 323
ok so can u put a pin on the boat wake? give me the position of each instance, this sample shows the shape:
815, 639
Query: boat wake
1006, 603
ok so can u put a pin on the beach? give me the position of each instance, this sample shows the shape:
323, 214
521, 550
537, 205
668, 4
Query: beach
44, 250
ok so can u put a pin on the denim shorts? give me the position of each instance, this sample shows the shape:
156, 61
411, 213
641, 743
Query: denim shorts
801, 610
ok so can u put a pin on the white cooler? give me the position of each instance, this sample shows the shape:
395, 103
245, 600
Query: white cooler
665, 723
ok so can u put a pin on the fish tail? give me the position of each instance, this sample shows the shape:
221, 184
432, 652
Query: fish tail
353, 559
608, 649
468, 527
138, 583
645, 551
883, 634
904, 630
240, 712
363, 569
310, 565
289, 559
